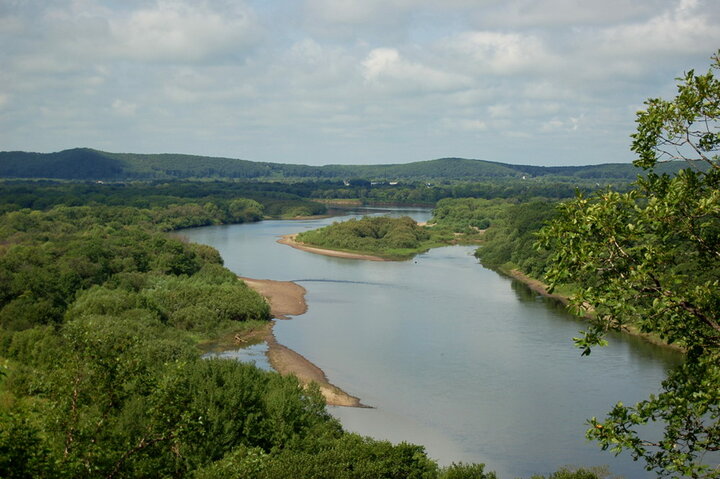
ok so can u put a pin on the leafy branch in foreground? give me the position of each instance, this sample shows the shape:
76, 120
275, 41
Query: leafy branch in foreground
651, 257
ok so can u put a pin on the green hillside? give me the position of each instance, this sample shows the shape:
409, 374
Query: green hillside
89, 164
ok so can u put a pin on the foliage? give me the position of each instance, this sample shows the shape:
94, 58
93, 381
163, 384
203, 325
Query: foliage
579, 473
467, 215
23, 454
466, 471
100, 314
88, 164
508, 244
376, 235
169, 205
651, 256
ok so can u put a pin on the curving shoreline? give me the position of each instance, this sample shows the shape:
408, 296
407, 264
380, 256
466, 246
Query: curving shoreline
284, 297
537, 286
288, 299
541, 288
290, 241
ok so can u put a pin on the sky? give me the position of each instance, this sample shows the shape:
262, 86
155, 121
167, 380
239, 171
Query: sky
536, 82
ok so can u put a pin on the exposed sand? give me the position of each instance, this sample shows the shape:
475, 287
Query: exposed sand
286, 361
288, 299
290, 241
285, 297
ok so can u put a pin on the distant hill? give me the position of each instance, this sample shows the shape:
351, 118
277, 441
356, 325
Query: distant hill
89, 164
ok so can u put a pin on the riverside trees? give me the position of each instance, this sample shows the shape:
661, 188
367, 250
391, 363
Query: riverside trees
651, 257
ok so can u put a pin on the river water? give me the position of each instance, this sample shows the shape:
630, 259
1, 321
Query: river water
469, 363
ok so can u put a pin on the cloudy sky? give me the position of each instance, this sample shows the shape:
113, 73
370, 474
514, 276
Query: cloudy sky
543, 82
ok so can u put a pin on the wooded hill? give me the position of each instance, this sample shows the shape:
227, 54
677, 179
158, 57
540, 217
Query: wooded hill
89, 164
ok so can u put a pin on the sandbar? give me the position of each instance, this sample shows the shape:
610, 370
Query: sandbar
284, 297
288, 299
290, 241
286, 361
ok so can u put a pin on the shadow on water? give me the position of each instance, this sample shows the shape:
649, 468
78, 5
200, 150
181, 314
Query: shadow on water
642, 347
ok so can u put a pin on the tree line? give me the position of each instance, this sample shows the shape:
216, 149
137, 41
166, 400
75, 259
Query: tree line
100, 373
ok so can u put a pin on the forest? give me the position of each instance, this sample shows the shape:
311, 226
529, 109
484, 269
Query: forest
89, 164
101, 316
101, 375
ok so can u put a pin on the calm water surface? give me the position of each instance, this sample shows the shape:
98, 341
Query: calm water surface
451, 355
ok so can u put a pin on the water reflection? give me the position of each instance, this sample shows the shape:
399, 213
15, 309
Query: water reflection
474, 365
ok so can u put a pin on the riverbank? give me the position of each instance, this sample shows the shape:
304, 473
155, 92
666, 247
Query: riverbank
284, 297
288, 299
286, 361
537, 286
542, 289
290, 241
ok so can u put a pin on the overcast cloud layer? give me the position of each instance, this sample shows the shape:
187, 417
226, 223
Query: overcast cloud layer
551, 82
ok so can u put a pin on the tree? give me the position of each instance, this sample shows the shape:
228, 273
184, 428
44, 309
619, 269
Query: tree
650, 258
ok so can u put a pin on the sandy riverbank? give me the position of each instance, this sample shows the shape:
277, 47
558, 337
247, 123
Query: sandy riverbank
290, 241
285, 297
286, 361
288, 299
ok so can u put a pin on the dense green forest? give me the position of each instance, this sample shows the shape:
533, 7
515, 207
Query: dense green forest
100, 374
221, 200
89, 164
101, 314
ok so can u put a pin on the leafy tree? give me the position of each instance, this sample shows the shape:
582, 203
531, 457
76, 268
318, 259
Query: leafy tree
399, 237
651, 257
23, 454
466, 471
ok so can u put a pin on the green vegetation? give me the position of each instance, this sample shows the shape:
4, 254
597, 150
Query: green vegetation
467, 215
101, 312
215, 202
651, 257
100, 375
394, 238
510, 243
89, 164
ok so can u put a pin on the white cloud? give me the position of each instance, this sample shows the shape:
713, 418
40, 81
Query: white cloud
562, 13
502, 53
500, 111
183, 31
683, 28
464, 124
385, 66
395, 80
361, 12
124, 108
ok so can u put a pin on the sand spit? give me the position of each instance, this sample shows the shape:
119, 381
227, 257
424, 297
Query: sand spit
286, 361
288, 299
290, 241
285, 297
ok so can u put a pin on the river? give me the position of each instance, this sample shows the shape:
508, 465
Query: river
469, 363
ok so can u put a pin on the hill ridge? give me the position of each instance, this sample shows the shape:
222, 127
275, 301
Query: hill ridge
84, 163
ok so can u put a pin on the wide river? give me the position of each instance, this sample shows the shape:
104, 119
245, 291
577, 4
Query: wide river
451, 355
